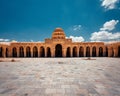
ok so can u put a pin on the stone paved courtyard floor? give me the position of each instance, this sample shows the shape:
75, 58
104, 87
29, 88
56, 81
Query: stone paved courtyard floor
60, 77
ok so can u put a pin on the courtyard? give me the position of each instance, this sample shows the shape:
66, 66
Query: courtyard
60, 76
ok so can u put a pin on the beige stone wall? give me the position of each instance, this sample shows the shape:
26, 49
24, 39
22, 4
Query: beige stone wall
113, 48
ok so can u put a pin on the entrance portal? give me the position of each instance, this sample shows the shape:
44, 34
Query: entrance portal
58, 50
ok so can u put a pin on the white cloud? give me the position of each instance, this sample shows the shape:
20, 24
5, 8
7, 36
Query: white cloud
76, 27
76, 39
104, 33
105, 36
109, 4
110, 25
4, 40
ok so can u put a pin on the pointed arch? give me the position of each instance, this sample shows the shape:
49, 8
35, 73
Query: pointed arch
28, 51
106, 51
1, 51
68, 52
21, 52
112, 52
58, 50
88, 51
7, 52
42, 52
14, 52
81, 52
94, 51
100, 52
35, 51
74, 51
118, 51
48, 52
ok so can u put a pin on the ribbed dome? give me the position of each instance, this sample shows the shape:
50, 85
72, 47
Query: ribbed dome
58, 34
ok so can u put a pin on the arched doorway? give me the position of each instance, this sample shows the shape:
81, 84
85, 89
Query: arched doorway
88, 52
1, 52
68, 52
94, 52
75, 52
14, 52
48, 52
42, 52
35, 52
21, 52
28, 52
118, 51
58, 50
6, 52
100, 52
106, 51
81, 52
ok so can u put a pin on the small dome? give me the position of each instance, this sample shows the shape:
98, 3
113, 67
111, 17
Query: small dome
58, 34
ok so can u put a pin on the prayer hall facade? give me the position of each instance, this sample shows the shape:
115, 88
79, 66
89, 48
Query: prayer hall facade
59, 46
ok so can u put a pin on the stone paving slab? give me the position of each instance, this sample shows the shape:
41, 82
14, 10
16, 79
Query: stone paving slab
60, 77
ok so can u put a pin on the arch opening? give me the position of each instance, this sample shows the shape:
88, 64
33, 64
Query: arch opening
6, 52
68, 52
58, 50
21, 52
75, 52
48, 52
1, 52
35, 51
28, 52
88, 52
94, 52
100, 52
42, 52
14, 52
118, 51
106, 51
81, 52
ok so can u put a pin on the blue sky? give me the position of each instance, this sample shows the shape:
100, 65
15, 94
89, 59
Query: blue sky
82, 20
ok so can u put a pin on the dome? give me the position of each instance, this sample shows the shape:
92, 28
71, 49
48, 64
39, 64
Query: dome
58, 34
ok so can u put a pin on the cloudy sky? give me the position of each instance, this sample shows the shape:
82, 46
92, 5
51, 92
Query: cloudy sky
82, 20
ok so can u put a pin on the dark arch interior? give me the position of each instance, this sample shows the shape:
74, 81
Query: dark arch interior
119, 51
81, 52
68, 52
106, 52
48, 52
14, 52
28, 53
6, 53
94, 52
100, 52
1, 52
58, 50
88, 52
21, 52
42, 52
74, 52
35, 52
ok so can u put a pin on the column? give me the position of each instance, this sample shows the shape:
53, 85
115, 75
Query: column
84, 52
71, 49
90, 51
77, 52
97, 51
